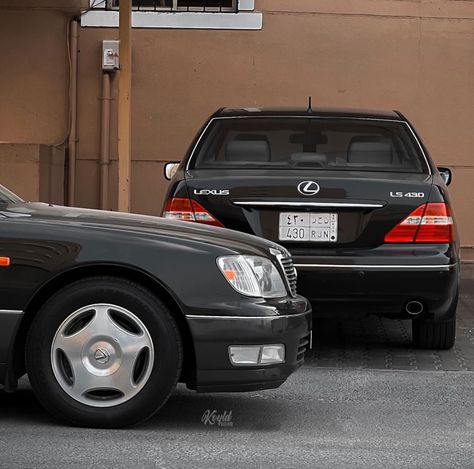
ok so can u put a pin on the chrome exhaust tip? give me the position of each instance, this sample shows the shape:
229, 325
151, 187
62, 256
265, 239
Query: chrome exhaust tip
414, 308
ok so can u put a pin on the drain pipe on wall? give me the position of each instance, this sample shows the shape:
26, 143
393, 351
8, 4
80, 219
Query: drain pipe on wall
72, 140
105, 141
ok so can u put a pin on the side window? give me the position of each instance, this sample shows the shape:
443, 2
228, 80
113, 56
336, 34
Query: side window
181, 5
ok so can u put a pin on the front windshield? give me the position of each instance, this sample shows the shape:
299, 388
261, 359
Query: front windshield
309, 143
8, 197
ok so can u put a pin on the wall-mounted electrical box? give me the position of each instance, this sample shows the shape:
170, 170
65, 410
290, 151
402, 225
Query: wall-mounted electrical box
110, 56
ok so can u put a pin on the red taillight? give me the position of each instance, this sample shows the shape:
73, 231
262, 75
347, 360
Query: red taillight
429, 223
179, 208
437, 225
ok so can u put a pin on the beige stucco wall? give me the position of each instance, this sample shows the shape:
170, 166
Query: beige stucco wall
412, 55
34, 172
19, 169
34, 69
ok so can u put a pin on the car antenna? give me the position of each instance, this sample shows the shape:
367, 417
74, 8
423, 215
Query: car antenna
310, 109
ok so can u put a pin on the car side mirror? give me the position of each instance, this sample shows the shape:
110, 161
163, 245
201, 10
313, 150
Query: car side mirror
170, 169
446, 175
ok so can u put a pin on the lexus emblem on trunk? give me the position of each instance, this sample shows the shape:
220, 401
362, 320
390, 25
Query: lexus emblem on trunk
308, 188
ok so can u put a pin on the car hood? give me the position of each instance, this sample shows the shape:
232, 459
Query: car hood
124, 223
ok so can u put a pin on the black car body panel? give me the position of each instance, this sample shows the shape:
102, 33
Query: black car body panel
212, 338
47, 244
358, 271
255, 188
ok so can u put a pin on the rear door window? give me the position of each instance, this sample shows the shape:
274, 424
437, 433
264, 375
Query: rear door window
309, 143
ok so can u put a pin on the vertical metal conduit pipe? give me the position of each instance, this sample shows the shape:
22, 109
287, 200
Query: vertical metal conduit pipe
105, 141
72, 140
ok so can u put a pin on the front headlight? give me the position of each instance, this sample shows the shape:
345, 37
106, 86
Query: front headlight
253, 276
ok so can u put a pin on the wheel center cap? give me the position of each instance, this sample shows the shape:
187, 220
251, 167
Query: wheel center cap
102, 356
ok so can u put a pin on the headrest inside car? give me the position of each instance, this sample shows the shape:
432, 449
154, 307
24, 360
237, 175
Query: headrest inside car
248, 148
370, 151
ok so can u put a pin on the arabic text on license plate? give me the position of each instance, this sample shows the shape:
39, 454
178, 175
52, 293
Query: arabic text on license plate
315, 227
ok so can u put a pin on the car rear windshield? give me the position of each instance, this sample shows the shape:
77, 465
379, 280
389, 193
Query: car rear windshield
309, 143
8, 197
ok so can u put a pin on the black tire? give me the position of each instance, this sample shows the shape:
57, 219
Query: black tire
434, 335
168, 352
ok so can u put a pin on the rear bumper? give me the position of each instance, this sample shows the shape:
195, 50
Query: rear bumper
380, 284
213, 335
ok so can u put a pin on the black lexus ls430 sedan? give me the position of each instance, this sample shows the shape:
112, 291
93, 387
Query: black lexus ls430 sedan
106, 312
353, 195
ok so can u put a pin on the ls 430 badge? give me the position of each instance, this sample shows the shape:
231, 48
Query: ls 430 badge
211, 191
407, 194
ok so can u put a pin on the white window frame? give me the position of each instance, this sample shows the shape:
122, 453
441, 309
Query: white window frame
246, 18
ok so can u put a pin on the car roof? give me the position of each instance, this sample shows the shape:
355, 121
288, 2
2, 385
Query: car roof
303, 111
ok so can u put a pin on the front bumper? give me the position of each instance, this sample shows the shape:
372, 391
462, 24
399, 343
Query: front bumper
214, 334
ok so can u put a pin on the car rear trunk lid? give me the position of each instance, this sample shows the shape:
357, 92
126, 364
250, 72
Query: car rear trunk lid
359, 207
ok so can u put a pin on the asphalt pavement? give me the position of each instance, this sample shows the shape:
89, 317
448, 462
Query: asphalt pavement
364, 398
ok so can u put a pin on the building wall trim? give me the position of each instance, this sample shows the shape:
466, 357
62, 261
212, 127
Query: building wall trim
245, 19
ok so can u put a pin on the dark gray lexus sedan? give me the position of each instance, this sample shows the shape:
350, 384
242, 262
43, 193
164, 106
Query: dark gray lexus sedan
106, 312
353, 195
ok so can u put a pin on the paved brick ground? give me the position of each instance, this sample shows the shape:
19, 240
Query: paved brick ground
375, 343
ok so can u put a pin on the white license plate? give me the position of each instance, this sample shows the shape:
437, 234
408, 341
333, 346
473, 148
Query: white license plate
313, 227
